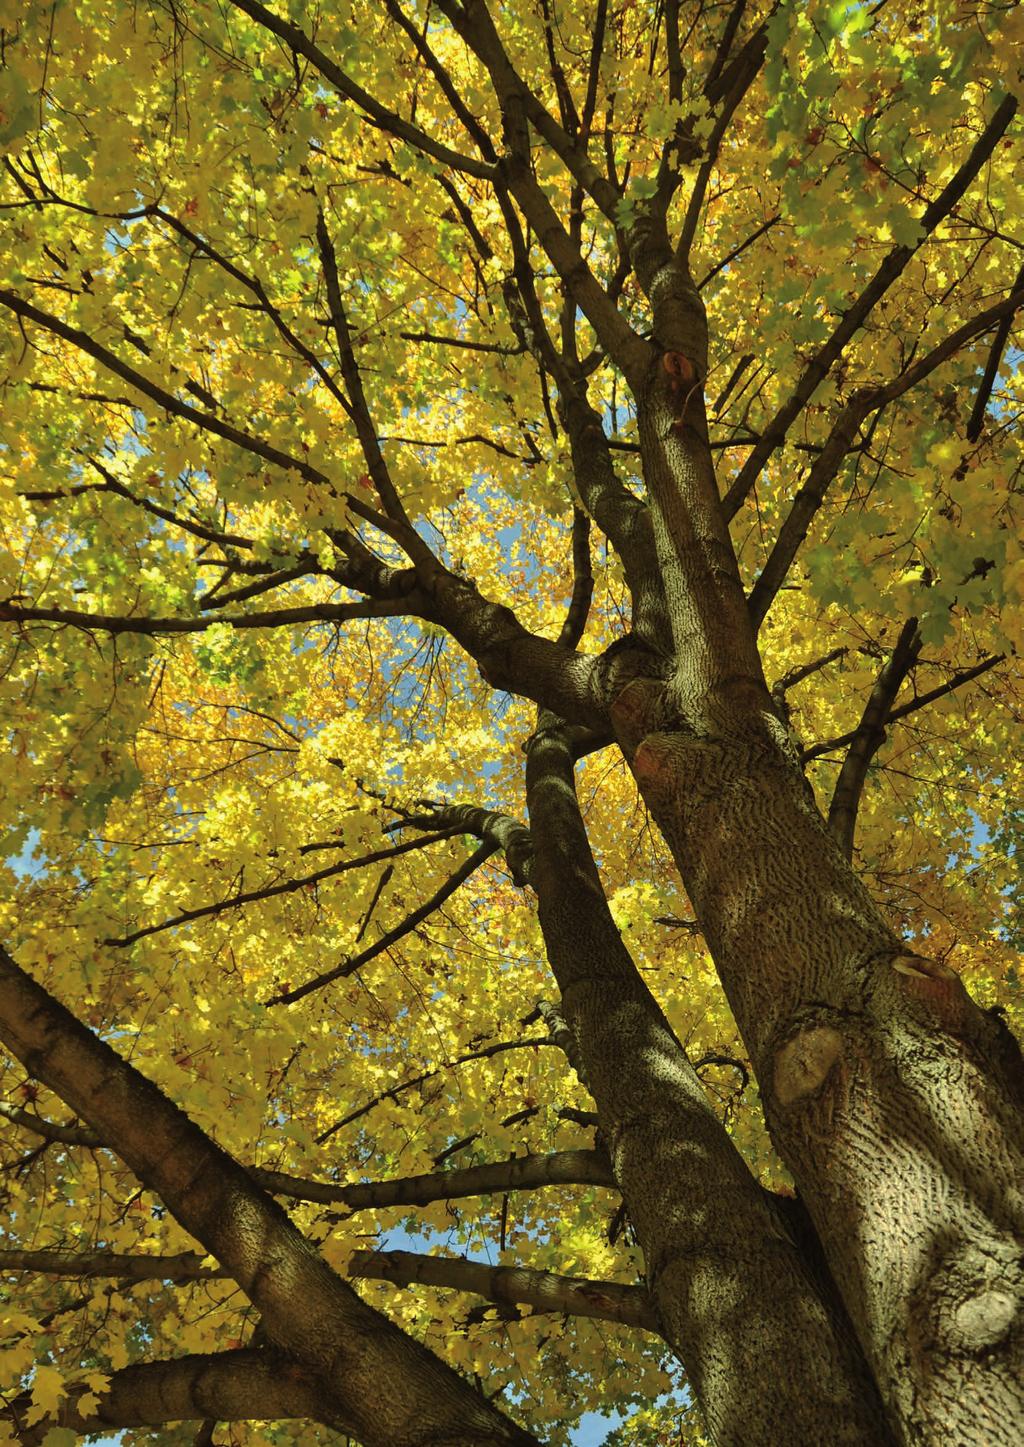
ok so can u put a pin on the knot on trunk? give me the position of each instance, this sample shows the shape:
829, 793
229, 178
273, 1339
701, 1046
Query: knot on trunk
804, 1063
636, 710
975, 1295
983, 1320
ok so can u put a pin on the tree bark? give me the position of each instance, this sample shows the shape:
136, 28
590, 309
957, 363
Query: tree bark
892, 1098
736, 1297
387, 1389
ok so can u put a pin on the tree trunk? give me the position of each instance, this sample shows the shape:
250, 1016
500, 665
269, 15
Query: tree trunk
894, 1100
767, 1347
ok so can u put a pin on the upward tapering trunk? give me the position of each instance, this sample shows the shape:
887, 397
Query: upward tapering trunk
895, 1101
766, 1345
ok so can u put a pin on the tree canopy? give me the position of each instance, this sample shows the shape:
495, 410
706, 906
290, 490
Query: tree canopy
395, 398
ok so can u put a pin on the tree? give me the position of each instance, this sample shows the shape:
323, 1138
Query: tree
511, 600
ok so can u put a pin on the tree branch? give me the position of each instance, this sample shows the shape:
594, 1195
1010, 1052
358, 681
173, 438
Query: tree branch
506, 833
185, 1266
508, 1285
960, 677
871, 399
804, 670
205, 420
253, 285
275, 618
738, 250
741, 76
69, 1135
234, 1386
392, 936
582, 582
296, 40
891, 268
304, 1305
287, 886
517, 1173
869, 736
474, 23
995, 356
359, 408
667, 1146
210, 535
486, 1052
512, 1286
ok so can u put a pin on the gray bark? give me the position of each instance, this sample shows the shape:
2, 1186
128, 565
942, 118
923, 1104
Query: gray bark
892, 1098
736, 1297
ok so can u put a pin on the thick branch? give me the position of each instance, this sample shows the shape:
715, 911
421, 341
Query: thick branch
274, 618
806, 503
624, 518
582, 582
509, 1285
185, 1266
625, 346
233, 1386
512, 1286
305, 1306
507, 654
517, 1173
505, 832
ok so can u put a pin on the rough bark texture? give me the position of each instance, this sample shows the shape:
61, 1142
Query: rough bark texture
232, 1386
891, 1312
712, 1241
875, 1067
388, 1389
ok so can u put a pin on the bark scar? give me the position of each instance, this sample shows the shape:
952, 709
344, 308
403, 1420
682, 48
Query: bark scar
917, 966
805, 1062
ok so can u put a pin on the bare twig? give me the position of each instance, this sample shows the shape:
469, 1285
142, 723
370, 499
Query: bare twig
407, 925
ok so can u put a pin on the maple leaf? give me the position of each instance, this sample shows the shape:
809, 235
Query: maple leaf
511, 607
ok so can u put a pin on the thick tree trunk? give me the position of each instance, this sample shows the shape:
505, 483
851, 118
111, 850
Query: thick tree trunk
895, 1102
893, 1099
767, 1347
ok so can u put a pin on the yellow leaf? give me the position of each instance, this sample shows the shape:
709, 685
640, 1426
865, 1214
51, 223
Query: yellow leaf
47, 1390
